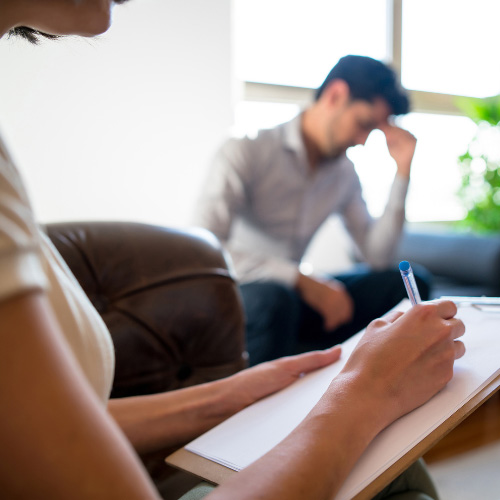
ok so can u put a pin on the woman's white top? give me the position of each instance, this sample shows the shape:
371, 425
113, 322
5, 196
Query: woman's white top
29, 261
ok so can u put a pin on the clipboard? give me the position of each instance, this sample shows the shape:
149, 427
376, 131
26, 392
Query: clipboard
217, 473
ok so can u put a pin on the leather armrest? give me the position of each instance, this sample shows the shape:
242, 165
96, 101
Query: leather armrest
167, 297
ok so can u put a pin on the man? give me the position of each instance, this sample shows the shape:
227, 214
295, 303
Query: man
267, 197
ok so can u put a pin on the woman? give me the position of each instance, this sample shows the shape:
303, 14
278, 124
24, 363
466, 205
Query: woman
59, 433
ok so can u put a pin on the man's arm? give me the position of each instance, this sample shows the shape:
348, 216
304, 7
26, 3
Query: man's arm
400, 363
226, 194
401, 145
328, 297
377, 239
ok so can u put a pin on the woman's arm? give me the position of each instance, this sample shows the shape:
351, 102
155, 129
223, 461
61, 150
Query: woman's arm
172, 419
55, 432
57, 440
400, 363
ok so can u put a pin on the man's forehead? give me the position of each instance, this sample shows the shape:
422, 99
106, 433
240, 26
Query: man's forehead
376, 112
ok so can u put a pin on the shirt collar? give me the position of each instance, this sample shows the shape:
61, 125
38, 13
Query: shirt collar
294, 141
292, 135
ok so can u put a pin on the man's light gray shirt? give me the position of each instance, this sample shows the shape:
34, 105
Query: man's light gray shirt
265, 203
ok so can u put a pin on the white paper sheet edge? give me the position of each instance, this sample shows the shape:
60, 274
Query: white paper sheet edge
270, 420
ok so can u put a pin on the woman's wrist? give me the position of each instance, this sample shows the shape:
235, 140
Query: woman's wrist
359, 402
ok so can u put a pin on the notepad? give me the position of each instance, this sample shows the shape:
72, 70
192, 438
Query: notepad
248, 435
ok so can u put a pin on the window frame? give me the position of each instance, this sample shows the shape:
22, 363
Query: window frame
422, 102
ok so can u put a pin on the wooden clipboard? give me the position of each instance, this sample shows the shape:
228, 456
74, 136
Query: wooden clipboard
216, 473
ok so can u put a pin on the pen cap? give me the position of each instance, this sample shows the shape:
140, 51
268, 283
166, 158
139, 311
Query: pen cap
404, 266
409, 282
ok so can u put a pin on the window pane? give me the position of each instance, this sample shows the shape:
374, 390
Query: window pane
294, 42
435, 174
451, 47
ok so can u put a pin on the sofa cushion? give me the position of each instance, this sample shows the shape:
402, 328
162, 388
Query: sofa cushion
465, 258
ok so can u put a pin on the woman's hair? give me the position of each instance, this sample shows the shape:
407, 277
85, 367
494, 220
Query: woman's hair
34, 36
30, 34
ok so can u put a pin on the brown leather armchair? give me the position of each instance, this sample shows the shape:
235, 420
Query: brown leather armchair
168, 299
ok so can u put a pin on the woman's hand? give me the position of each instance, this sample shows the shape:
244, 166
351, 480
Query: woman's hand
405, 359
260, 381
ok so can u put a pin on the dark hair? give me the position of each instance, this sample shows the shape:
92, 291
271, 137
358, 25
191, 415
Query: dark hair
34, 36
30, 34
367, 79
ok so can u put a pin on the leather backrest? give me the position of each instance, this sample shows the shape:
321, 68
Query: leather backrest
167, 297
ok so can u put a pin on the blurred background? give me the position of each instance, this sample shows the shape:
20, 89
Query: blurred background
124, 126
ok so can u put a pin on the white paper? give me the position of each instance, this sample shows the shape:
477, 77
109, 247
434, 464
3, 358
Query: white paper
251, 433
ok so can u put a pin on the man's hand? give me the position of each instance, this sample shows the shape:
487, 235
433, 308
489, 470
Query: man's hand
260, 381
329, 298
404, 359
401, 145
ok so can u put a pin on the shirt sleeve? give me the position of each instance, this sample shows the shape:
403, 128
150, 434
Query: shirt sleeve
224, 193
21, 268
225, 196
377, 239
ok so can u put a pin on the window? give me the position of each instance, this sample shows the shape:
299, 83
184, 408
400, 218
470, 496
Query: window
284, 49
434, 180
451, 47
251, 116
295, 43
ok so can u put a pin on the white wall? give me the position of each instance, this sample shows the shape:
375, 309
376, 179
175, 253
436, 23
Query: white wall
121, 127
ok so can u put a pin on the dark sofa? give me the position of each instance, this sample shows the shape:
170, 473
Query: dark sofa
460, 263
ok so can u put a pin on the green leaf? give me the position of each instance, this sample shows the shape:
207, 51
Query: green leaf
481, 109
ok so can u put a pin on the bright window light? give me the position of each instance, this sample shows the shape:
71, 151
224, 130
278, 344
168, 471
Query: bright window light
251, 116
296, 43
435, 176
451, 47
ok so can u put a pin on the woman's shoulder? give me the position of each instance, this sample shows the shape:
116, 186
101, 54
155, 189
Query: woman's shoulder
11, 184
20, 261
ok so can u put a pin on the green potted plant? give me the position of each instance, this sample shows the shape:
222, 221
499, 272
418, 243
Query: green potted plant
480, 167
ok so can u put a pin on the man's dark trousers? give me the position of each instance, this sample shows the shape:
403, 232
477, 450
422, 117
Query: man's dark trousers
280, 323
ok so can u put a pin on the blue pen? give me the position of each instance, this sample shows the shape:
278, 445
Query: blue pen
409, 281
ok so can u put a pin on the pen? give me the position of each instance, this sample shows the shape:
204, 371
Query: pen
409, 281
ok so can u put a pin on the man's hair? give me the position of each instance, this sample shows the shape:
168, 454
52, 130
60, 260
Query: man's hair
368, 79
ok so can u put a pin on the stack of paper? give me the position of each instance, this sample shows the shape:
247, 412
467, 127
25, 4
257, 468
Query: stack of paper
248, 435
